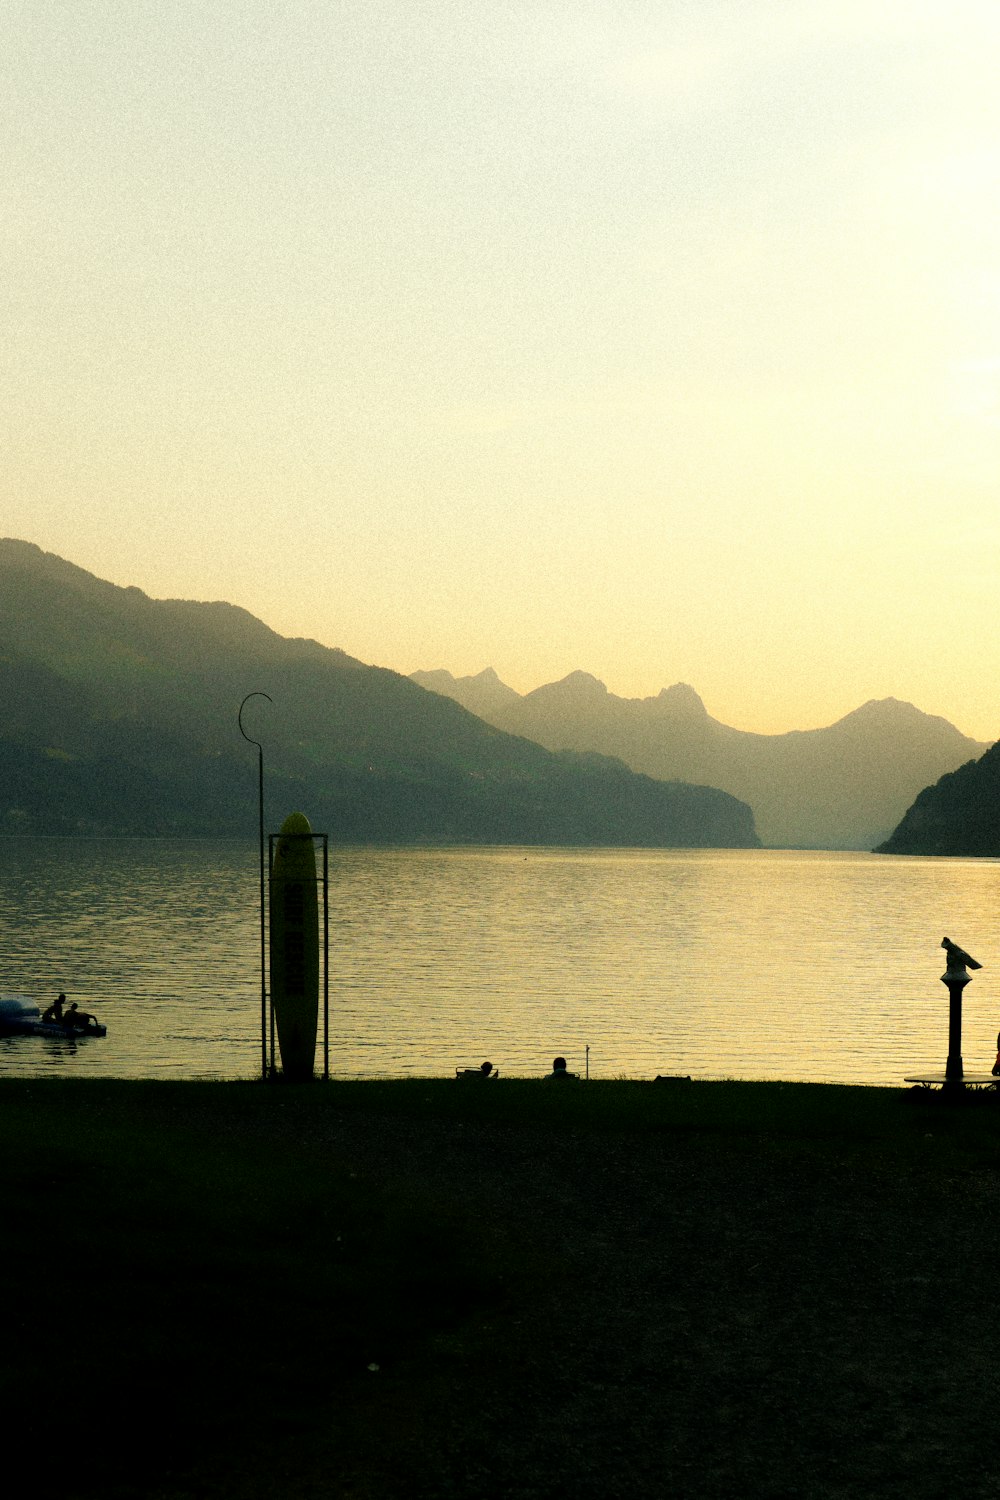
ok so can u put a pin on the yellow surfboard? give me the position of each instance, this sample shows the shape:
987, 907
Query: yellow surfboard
295, 947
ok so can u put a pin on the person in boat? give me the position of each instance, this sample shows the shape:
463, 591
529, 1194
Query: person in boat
559, 1069
53, 1014
485, 1070
78, 1020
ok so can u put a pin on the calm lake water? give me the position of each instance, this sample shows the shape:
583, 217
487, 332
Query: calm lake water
717, 963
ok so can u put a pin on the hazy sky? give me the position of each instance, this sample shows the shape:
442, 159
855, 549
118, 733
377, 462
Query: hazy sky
656, 339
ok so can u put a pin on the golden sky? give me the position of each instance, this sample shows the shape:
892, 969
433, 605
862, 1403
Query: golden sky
660, 340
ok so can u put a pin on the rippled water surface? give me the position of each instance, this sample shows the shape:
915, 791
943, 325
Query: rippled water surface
717, 963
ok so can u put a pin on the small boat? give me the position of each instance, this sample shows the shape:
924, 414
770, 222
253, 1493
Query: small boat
19, 1016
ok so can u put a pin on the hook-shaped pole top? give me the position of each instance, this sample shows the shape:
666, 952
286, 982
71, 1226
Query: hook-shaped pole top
239, 716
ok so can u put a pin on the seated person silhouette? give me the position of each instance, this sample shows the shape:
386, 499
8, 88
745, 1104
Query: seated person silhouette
559, 1069
78, 1020
485, 1070
53, 1014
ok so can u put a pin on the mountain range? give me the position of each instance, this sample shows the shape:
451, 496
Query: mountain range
119, 716
845, 786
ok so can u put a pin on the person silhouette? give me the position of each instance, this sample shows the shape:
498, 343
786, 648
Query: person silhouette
53, 1014
485, 1070
79, 1020
559, 1069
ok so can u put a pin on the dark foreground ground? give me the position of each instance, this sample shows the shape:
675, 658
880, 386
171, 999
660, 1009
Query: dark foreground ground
514, 1289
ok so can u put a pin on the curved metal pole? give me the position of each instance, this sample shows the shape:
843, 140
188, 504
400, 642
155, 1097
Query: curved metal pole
260, 829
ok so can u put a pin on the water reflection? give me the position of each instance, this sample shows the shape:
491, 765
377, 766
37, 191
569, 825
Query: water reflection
717, 963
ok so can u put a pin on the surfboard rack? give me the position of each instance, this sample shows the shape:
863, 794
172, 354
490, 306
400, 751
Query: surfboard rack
323, 882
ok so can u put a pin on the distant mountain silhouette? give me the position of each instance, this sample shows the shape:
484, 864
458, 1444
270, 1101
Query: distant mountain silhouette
841, 787
483, 695
120, 716
959, 814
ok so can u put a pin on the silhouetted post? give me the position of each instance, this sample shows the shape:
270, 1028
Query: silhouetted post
260, 831
326, 959
956, 978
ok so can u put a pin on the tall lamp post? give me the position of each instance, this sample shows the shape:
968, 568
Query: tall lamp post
260, 829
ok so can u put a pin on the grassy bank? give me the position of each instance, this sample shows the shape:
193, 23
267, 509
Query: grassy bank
429, 1289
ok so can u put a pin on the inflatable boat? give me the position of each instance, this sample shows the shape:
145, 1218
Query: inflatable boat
20, 1016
